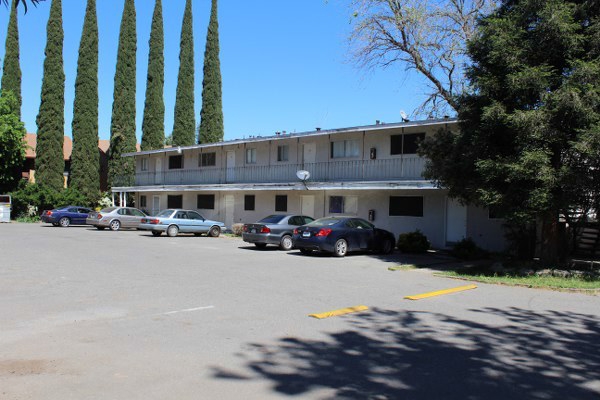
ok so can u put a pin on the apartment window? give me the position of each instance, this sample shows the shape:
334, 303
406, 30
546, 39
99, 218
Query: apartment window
343, 204
142, 201
208, 160
249, 201
144, 164
405, 144
175, 201
206, 202
283, 153
345, 148
250, 156
406, 206
281, 203
176, 162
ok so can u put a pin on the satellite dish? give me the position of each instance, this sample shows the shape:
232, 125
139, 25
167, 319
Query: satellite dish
303, 175
403, 116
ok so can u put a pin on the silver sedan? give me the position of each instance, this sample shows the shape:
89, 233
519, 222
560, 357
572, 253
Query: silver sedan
175, 221
116, 218
274, 229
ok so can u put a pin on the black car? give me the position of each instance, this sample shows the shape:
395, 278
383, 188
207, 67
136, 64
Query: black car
274, 229
339, 235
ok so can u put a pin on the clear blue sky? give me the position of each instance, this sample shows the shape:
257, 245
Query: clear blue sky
285, 65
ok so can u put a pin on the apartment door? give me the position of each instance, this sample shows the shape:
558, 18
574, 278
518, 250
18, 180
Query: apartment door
230, 166
309, 155
456, 221
158, 171
307, 206
229, 206
155, 205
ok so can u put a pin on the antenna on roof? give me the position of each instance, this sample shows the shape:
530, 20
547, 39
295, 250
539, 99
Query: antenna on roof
404, 116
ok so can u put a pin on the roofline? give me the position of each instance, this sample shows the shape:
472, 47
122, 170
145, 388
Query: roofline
364, 128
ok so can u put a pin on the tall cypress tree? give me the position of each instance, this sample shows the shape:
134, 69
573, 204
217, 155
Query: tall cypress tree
11, 76
211, 115
122, 128
153, 126
85, 162
49, 162
184, 125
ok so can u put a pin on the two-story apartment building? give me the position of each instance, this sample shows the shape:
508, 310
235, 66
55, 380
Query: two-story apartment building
373, 172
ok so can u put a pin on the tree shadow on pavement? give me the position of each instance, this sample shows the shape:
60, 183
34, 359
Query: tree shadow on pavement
515, 354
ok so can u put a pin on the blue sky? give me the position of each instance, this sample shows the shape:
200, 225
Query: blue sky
285, 65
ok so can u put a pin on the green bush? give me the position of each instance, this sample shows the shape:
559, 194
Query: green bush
466, 249
38, 197
413, 242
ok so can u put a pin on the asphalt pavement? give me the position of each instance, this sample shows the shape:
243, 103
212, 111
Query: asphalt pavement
87, 314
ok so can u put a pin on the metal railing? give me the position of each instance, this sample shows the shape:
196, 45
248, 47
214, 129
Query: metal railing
403, 168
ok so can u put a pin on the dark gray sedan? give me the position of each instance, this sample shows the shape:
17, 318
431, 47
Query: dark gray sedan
274, 229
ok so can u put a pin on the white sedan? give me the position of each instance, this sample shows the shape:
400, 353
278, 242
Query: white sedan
175, 221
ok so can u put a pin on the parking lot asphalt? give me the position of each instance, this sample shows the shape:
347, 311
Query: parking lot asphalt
87, 314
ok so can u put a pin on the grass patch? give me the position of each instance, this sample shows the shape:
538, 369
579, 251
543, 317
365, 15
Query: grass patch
403, 267
552, 282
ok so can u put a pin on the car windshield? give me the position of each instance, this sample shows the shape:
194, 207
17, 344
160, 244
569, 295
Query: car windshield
108, 210
324, 222
165, 213
272, 219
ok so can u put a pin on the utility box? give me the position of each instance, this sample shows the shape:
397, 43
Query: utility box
5, 207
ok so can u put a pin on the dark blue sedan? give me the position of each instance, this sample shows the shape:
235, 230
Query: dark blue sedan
65, 216
340, 235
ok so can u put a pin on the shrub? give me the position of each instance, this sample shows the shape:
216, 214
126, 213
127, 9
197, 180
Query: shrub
413, 242
237, 229
35, 196
466, 249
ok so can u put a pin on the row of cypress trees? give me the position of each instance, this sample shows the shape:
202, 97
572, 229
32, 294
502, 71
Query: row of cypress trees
50, 120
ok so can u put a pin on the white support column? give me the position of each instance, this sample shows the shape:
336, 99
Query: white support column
125, 199
113, 199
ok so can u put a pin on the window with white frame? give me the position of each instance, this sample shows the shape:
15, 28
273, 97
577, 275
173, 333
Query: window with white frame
283, 152
345, 149
250, 156
144, 164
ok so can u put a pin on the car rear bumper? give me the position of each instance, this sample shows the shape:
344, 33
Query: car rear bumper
152, 227
48, 220
265, 238
312, 244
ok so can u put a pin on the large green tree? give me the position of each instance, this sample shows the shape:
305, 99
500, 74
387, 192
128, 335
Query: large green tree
85, 163
153, 125
184, 124
11, 71
122, 129
12, 143
211, 115
49, 162
529, 140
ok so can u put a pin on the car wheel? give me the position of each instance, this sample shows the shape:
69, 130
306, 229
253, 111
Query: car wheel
305, 251
260, 245
388, 246
115, 225
286, 243
156, 233
172, 231
100, 228
341, 248
215, 231
64, 222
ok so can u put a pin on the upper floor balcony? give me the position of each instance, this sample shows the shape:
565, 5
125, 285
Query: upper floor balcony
400, 168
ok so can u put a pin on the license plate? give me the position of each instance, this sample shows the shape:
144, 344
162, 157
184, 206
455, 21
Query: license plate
252, 230
305, 234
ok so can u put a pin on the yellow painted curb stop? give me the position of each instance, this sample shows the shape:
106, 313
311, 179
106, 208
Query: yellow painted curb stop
440, 292
342, 311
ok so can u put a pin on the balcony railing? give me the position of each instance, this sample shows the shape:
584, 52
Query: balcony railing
404, 168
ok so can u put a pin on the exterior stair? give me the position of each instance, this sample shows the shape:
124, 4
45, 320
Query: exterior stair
587, 244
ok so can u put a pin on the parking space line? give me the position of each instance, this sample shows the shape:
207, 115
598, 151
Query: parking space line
440, 292
186, 310
342, 311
